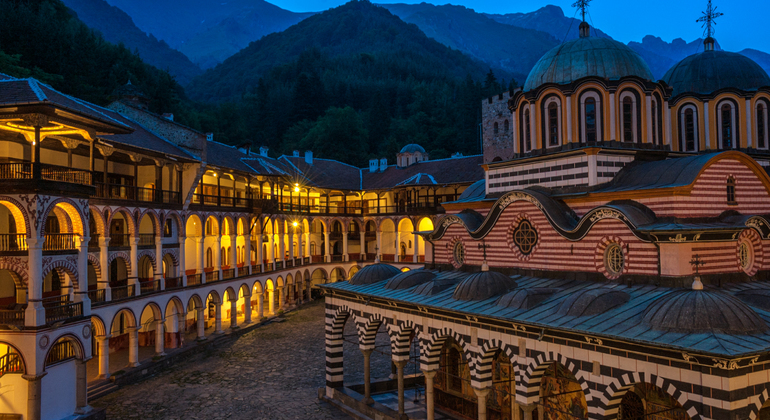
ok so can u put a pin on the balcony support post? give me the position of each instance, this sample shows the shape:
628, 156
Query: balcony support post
362, 245
134, 277
35, 313
218, 256
345, 256
81, 294
104, 279
247, 251
416, 247
327, 256
234, 254
282, 243
182, 263
159, 262
199, 243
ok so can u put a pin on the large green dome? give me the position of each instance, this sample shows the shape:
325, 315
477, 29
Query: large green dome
587, 56
709, 71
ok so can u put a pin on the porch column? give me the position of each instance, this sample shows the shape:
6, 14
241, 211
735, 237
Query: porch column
81, 388
400, 364
159, 275
481, 397
247, 251
201, 324
104, 356
367, 376
345, 256
160, 335
327, 257
398, 246
260, 307
34, 397
218, 256
429, 408
280, 297
307, 244
247, 310
81, 293
416, 248
133, 346
134, 277
218, 318
34, 316
291, 246
300, 247
234, 313
282, 245
528, 410
201, 258
182, 261
271, 302
362, 251
104, 279
379, 243
234, 254
308, 288
258, 253
271, 248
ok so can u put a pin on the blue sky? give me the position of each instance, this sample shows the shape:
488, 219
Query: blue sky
743, 26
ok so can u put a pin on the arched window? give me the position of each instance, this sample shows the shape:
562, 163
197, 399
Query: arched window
731, 191
223, 256
506, 126
590, 124
629, 130
726, 116
762, 128
496, 129
553, 124
689, 129
527, 138
209, 258
655, 125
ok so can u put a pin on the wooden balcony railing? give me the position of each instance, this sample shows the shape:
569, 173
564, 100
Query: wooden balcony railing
130, 192
193, 279
212, 276
123, 292
93, 243
12, 317
13, 242
23, 170
228, 274
173, 282
120, 239
146, 239
59, 242
256, 269
147, 287
63, 312
56, 300
97, 296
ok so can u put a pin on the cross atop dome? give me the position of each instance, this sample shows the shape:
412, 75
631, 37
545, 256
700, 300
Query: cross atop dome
709, 21
583, 5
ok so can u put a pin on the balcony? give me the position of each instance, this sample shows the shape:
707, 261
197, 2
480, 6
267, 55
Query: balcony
228, 274
60, 242
24, 171
63, 312
97, 296
120, 240
173, 282
12, 317
146, 239
10, 242
223, 201
212, 276
123, 292
149, 287
193, 279
130, 192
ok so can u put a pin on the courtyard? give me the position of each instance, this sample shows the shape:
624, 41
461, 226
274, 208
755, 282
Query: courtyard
272, 372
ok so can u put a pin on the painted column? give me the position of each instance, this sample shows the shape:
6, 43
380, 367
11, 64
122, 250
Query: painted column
159, 262
133, 278
280, 297
160, 335
234, 313
260, 307
182, 261
81, 387
234, 254
201, 324
34, 395
247, 251
133, 346
362, 251
481, 397
400, 364
416, 247
258, 253
104, 257
429, 406
34, 316
367, 376
201, 258
104, 356
345, 256
218, 318
81, 294
568, 103
218, 256
612, 117
327, 257
379, 243
247, 309
271, 302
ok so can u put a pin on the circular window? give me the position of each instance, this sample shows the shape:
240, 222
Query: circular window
525, 237
614, 260
744, 256
459, 253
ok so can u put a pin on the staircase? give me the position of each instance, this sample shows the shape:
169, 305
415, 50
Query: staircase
100, 388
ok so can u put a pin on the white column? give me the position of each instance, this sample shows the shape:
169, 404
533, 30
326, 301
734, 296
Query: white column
367, 376
271, 302
81, 293
258, 252
201, 324
648, 110
218, 256
218, 319
416, 248
300, 245
133, 346
429, 406
34, 316
282, 245
400, 364
182, 261
307, 244
133, 278
271, 248
247, 251
201, 257
327, 256
291, 244
612, 117
281, 297
379, 243
234, 253
568, 102
104, 279
481, 397
234, 313
160, 335
260, 307
104, 356
159, 262
345, 256
247, 309
749, 137
398, 246
362, 241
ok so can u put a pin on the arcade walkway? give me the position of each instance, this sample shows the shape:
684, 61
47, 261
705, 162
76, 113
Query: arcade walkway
273, 372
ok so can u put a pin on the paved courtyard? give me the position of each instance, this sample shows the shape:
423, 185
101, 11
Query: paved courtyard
273, 372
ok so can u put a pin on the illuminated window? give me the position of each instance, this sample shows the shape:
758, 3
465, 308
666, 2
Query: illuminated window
525, 237
614, 260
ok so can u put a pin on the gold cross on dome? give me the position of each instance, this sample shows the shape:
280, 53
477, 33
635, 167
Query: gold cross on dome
709, 19
582, 5
697, 262
484, 246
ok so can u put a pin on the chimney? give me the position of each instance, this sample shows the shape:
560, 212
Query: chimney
457, 155
308, 157
383, 164
295, 153
209, 136
263, 151
168, 116
372, 165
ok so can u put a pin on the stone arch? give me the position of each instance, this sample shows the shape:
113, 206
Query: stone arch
180, 225
196, 301
481, 376
197, 227
77, 213
342, 273
18, 268
154, 219
180, 308
94, 260
19, 213
157, 313
245, 289
149, 254
609, 404
98, 219
531, 378
430, 348
132, 320
66, 265
127, 216
15, 350
98, 326
368, 333
214, 295
230, 293
400, 342
216, 228
76, 344
123, 256
335, 326
258, 287
227, 224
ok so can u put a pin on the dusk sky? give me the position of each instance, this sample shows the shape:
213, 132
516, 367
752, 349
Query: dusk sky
743, 26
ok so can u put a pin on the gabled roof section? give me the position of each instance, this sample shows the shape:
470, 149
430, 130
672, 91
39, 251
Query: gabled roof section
458, 170
144, 138
325, 173
32, 92
264, 165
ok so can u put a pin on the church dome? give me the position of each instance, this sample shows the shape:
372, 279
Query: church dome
409, 279
525, 298
589, 302
709, 71
693, 311
483, 285
587, 56
373, 273
411, 148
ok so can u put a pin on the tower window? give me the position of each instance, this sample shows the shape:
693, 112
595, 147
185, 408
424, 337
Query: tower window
628, 119
731, 191
761, 126
727, 126
527, 132
553, 125
590, 119
689, 130
496, 130
654, 109
506, 126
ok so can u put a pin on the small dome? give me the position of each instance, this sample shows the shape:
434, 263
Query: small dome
434, 287
483, 285
410, 279
525, 298
756, 297
592, 301
477, 190
709, 71
411, 148
373, 273
587, 56
693, 311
